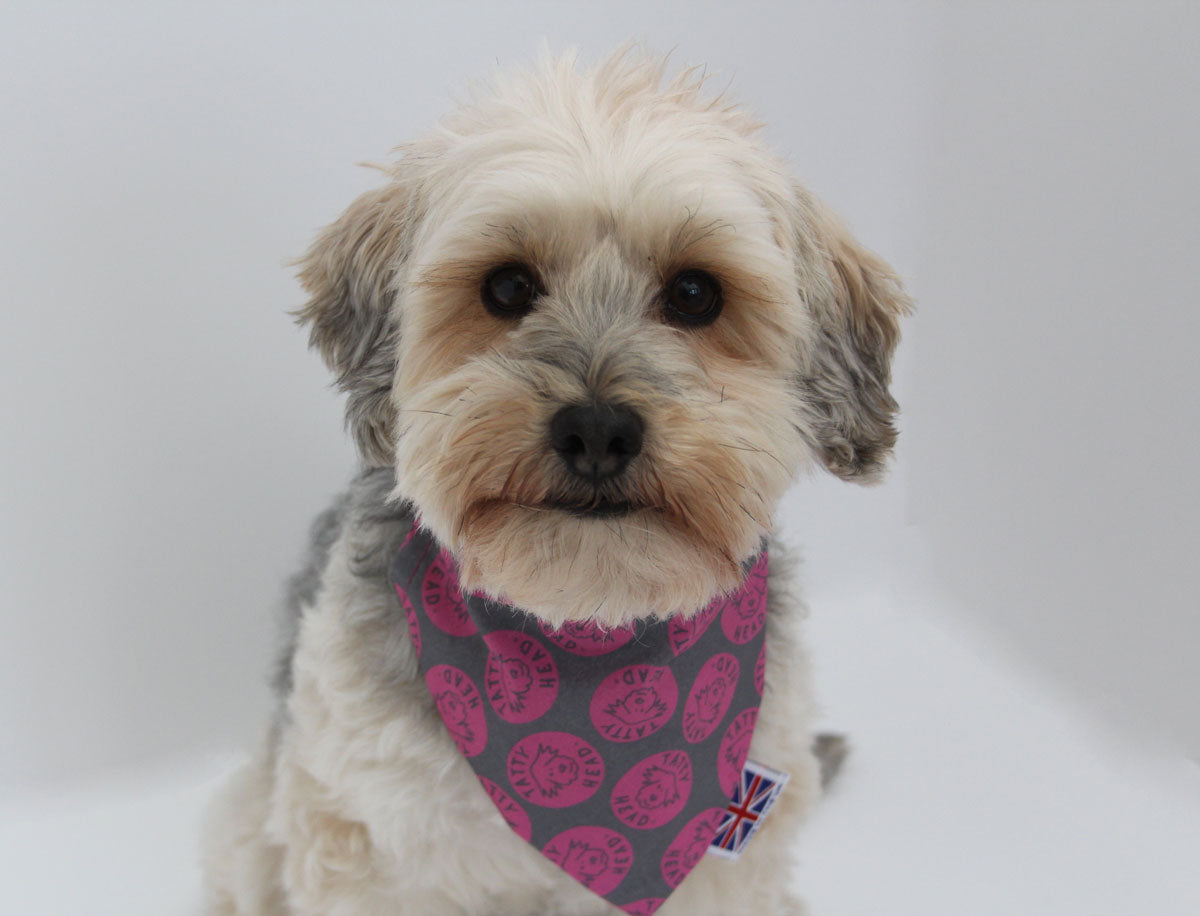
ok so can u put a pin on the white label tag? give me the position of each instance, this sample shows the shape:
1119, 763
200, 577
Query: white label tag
755, 795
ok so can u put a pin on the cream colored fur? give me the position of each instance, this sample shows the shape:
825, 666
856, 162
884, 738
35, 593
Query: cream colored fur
607, 182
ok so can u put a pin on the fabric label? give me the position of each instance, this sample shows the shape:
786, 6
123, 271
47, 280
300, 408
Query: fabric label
755, 795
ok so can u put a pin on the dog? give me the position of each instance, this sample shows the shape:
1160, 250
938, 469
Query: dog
589, 331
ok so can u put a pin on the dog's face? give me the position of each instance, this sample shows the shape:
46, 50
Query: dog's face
597, 331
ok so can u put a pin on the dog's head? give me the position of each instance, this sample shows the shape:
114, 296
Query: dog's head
597, 330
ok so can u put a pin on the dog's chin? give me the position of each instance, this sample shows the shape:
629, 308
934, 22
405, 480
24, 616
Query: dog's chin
605, 562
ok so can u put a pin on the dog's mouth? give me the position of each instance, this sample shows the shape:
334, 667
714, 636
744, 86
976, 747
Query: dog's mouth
595, 508
598, 507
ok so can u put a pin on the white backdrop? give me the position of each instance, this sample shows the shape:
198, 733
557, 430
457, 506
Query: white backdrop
1029, 168
1055, 418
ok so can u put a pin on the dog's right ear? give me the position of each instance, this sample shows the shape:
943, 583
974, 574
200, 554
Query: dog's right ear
350, 274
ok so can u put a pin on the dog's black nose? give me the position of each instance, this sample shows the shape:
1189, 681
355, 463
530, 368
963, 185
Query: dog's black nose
596, 441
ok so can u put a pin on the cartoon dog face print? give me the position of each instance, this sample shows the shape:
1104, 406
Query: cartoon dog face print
660, 788
585, 861
638, 706
552, 771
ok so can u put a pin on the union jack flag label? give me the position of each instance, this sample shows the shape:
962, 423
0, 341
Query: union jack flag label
755, 794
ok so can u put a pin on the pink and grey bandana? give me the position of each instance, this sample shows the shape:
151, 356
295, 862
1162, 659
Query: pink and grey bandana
613, 752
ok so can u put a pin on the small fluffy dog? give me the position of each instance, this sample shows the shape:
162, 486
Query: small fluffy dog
589, 331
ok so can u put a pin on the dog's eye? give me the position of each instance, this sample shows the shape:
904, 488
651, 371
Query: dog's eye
509, 291
693, 297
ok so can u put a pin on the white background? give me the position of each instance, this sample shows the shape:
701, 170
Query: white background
1029, 168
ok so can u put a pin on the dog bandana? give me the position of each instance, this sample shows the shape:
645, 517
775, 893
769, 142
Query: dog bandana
613, 752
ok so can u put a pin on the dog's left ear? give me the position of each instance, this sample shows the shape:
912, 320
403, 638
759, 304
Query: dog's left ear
350, 273
856, 301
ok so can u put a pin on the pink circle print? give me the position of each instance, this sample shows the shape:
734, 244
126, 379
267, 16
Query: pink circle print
710, 697
410, 614
634, 702
514, 815
596, 857
461, 707
443, 598
521, 678
588, 638
647, 906
735, 746
689, 846
555, 769
745, 611
684, 632
653, 791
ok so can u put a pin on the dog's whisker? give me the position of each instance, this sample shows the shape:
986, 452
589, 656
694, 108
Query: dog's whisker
574, 557
761, 524
751, 448
508, 480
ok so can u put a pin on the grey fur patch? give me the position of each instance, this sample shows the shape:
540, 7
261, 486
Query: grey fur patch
301, 588
591, 347
351, 273
550, 349
845, 374
376, 528
852, 409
